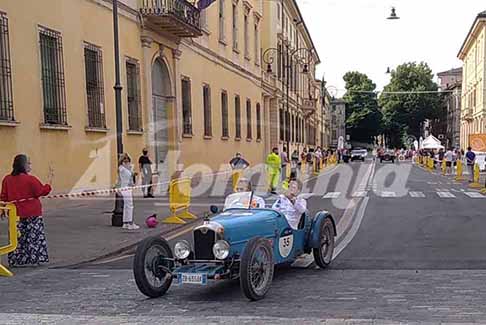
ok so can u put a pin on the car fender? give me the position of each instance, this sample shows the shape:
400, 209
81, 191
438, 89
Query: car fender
314, 238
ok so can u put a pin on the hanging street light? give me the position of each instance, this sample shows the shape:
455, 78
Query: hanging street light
393, 14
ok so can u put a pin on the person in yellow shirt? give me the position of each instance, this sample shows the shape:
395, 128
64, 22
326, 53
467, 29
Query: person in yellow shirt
274, 165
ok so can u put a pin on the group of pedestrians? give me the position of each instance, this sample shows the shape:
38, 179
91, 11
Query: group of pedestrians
451, 157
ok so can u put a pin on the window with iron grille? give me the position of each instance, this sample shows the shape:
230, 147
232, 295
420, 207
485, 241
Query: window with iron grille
224, 114
133, 95
259, 121
93, 62
207, 111
248, 119
237, 117
53, 83
186, 106
235, 26
6, 95
221, 21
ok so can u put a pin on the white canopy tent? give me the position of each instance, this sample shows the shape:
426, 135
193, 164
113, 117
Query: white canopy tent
431, 142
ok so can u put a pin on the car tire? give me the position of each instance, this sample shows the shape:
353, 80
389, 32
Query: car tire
323, 254
144, 263
252, 289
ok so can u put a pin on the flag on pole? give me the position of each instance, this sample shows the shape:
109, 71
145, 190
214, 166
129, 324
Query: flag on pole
203, 4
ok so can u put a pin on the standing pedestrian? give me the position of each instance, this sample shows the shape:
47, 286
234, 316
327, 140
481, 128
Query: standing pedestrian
238, 162
294, 164
145, 165
470, 160
274, 164
449, 157
284, 160
32, 244
126, 180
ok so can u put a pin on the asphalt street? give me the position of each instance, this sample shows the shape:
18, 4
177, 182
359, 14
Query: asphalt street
410, 248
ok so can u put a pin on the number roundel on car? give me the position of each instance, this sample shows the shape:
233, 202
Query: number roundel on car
286, 242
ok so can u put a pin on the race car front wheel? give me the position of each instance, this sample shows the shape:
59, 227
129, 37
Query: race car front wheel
151, 267
256, 268
323, 254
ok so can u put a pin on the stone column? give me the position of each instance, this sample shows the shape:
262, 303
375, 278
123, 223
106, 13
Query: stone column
148, 107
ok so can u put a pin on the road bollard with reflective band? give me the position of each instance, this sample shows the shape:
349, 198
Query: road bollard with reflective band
321, 164
12, 235
314, 167
288, 170
444, 167
302, 167
179, 201
235, 177
476, 175
459, 171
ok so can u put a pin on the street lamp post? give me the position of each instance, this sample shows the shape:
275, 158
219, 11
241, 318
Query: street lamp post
117, 217
268, 58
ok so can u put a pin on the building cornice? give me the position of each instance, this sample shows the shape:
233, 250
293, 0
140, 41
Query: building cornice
478, 22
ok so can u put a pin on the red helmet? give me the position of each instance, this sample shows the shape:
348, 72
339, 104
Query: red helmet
151, 221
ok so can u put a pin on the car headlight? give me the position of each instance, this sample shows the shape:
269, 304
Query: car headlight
221, 249
182, 249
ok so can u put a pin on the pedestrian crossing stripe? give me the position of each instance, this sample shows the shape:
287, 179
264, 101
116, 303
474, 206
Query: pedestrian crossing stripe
388, 194
416, 194
359, 194
446, 195
475, 195
331, 195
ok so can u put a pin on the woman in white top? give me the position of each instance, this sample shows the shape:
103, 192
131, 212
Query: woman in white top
291, 206
126, 182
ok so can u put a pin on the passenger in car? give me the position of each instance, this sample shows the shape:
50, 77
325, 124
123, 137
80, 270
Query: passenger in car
290, 205
241, 197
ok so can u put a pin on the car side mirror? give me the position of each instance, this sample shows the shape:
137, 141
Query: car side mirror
214, 209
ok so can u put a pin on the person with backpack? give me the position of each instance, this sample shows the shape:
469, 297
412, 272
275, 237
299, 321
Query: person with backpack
470, 161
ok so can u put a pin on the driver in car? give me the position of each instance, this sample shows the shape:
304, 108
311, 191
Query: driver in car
241, 197
290, 205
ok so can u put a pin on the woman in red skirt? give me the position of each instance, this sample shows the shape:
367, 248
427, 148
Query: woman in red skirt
32, 244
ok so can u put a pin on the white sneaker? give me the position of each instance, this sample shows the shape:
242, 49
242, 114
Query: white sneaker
133, 227
126, 226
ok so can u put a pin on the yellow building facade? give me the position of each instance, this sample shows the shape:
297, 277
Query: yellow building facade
473, 99
195, 89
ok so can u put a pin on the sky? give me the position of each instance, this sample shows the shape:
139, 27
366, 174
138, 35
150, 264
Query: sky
354, 35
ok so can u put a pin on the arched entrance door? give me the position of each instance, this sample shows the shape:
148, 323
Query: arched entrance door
161, 101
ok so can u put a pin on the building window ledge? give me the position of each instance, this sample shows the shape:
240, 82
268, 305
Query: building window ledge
249, 139
208, 137
205, 30
187, 135
95, 129
235, 49
225, 138
247, 57
223, 42
237, 139
9, 123
135, 132
56, 127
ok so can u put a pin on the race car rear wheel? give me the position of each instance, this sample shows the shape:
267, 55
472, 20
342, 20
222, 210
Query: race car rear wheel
151, 271
323, 254
256, 268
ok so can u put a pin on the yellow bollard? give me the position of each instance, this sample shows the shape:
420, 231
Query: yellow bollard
288, 170
476, 175
459, 171
179, 201
12, 235
321, 164
444, 167
302, 166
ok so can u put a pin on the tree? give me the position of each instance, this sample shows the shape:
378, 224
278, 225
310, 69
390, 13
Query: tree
363, 116
408, 100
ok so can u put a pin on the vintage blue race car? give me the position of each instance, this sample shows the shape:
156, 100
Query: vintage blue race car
236, 243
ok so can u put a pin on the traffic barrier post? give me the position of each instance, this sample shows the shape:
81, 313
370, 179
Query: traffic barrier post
302, 167
459, 171
11, 211
444, 167
179, 201
476, 175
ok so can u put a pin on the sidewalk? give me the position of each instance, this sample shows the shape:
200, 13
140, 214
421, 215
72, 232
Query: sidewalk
79, 230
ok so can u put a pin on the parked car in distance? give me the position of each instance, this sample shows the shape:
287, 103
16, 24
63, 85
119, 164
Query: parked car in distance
358, 154
388, 155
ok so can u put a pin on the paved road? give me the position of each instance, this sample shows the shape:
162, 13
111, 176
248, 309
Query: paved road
411, 248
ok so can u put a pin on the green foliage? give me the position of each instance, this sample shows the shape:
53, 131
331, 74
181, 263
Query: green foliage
363, 116
404, 113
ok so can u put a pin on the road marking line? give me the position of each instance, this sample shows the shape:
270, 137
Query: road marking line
387, 194
331, 195
359, 194
446, 195
475, 195
416, 194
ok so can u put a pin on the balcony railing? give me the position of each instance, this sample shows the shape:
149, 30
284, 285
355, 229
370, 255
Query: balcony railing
177, 17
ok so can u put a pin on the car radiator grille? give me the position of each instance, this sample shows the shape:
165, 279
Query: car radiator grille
203, 244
